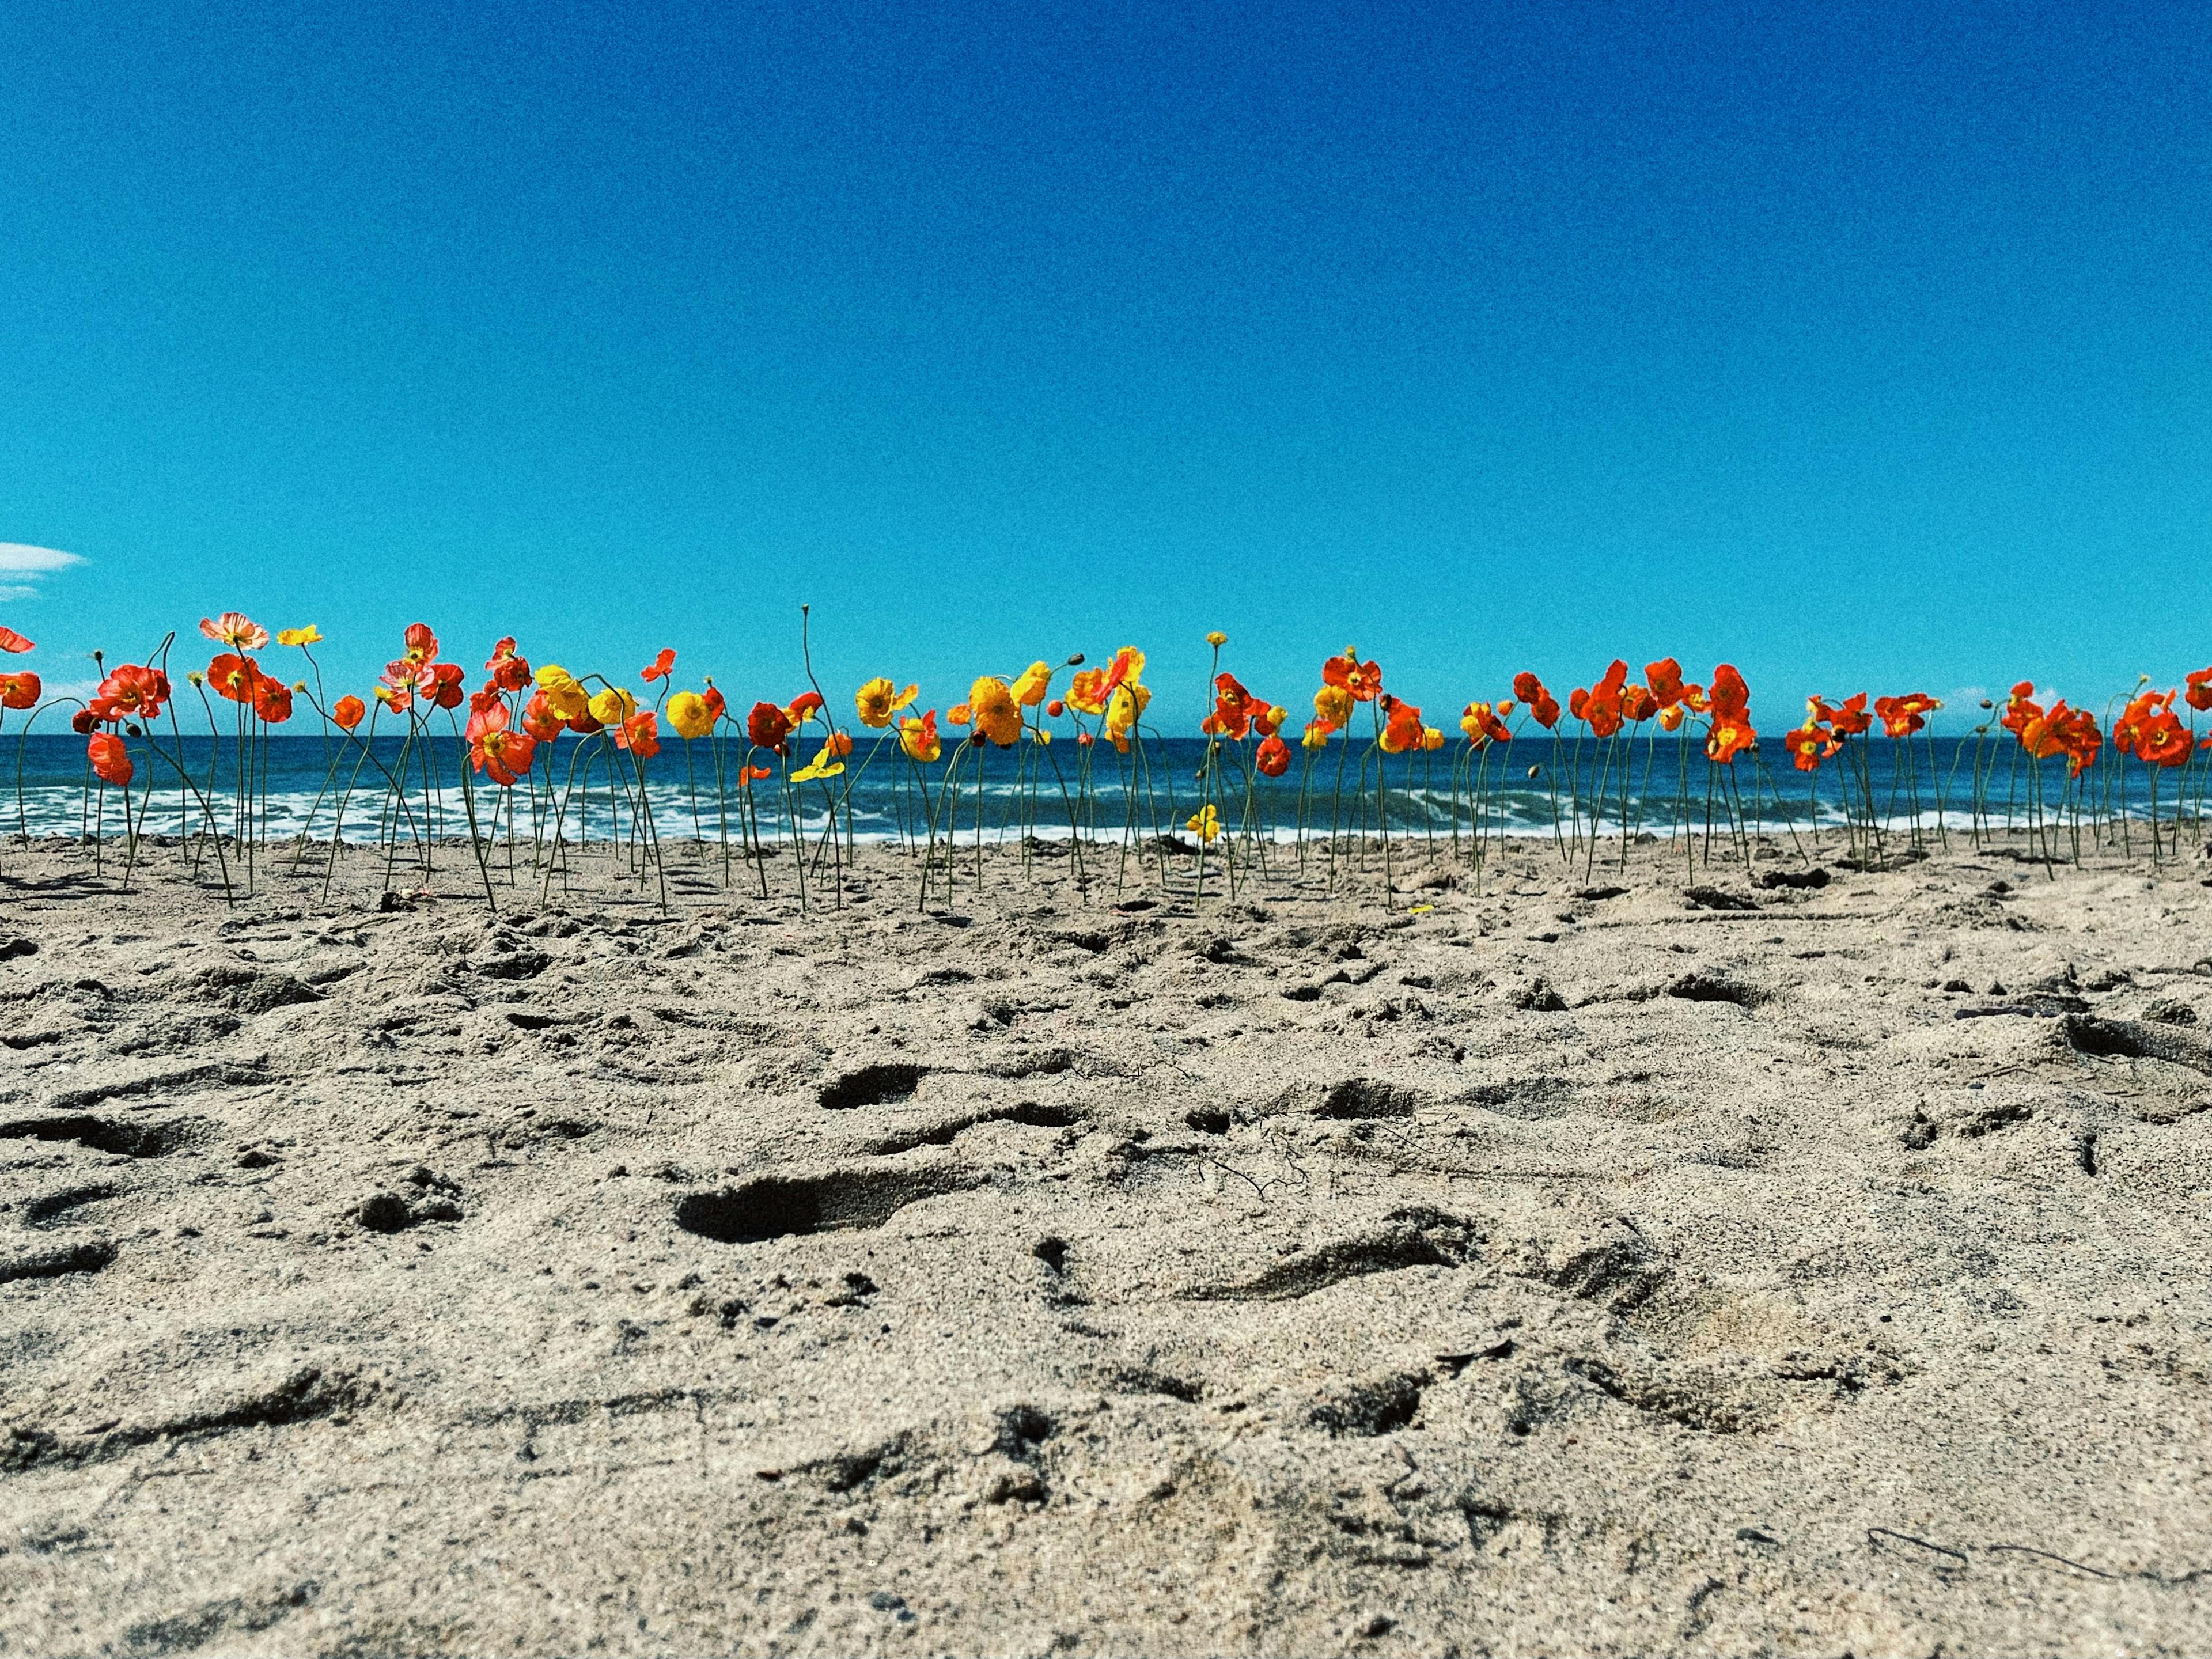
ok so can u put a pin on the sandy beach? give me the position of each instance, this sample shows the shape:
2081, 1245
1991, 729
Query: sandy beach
1585, 1266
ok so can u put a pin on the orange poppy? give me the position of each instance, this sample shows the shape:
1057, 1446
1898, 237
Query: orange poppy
1273, 757
348, 712
1810, 744
422, 643
1402, 726
661, 666
1664, 677
20, 690
502, 754
1601, 705
1728, 738
1638, 703
539, 720
1903, 716
640, 734
2020, 710
1361, 681
1485, 725
1847, 719
2061, 731
11, 642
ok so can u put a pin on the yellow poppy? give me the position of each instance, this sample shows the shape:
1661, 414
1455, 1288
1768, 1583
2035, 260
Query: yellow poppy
308, 636
1332, 706
1083, 691
689, 715
917, 736
878, 700
994, 711
567, 699
1029, 689
1205, 824
823, 765
612, 706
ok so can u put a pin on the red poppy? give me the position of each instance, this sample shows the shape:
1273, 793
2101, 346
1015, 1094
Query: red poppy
1360, 680
716, 706
348, 712
1274, 758
804, 704
1729, 698
272, 699
422, 643
2199, 694
1543, 707
509, 672
483, 697
110, 757
2019, 710
131, 692
20, 690
234, 677
442, 685
1847, 719
1664, 677
661, 666
769, 727
1638, 703
12, 641
84, 722
2163, 740
1233, 709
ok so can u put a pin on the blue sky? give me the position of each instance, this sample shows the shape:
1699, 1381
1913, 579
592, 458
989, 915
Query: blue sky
1865, 346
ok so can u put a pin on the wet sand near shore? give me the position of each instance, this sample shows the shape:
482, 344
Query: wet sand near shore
1600, 1263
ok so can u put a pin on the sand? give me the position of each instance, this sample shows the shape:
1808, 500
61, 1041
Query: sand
1581, 1267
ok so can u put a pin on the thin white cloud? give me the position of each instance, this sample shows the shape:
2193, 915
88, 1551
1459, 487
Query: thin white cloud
21, 558
26, 564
